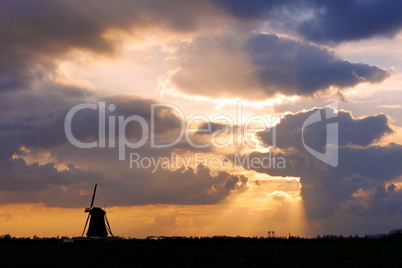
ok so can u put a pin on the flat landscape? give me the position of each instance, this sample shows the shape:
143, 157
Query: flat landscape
205, 252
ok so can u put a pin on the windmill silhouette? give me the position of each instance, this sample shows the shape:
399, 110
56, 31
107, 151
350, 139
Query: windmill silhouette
98, 224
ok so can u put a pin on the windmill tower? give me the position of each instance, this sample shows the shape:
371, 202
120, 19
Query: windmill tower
98, 224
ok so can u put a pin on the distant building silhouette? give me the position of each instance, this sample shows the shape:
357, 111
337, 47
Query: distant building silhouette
98, 223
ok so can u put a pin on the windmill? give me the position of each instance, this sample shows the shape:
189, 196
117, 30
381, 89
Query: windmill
98, 224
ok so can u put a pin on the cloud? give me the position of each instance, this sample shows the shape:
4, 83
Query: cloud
259, 9
352, 131
17, 175
33, 127
279, 184
36, 34
323, 21
280, 196
196, 186
286, 66
328, 190
215, 65
345, 20
36, 119
34, 183
262, 65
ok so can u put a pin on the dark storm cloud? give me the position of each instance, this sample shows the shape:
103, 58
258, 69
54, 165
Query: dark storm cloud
34, 34
326, 190
36, 119
352, 131
16, 175
33, 128
194, 186
23, 183
265, 64
257, 9
325, 21
290, 67
348, 20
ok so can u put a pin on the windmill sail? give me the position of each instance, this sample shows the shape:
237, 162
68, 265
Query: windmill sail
98, 223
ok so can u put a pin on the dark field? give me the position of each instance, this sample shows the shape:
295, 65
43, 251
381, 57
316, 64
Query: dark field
203, 253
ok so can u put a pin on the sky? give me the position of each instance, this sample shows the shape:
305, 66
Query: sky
201, 118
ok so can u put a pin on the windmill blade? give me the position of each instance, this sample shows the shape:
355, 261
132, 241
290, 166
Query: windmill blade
85, 227
108, 226
93, 197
